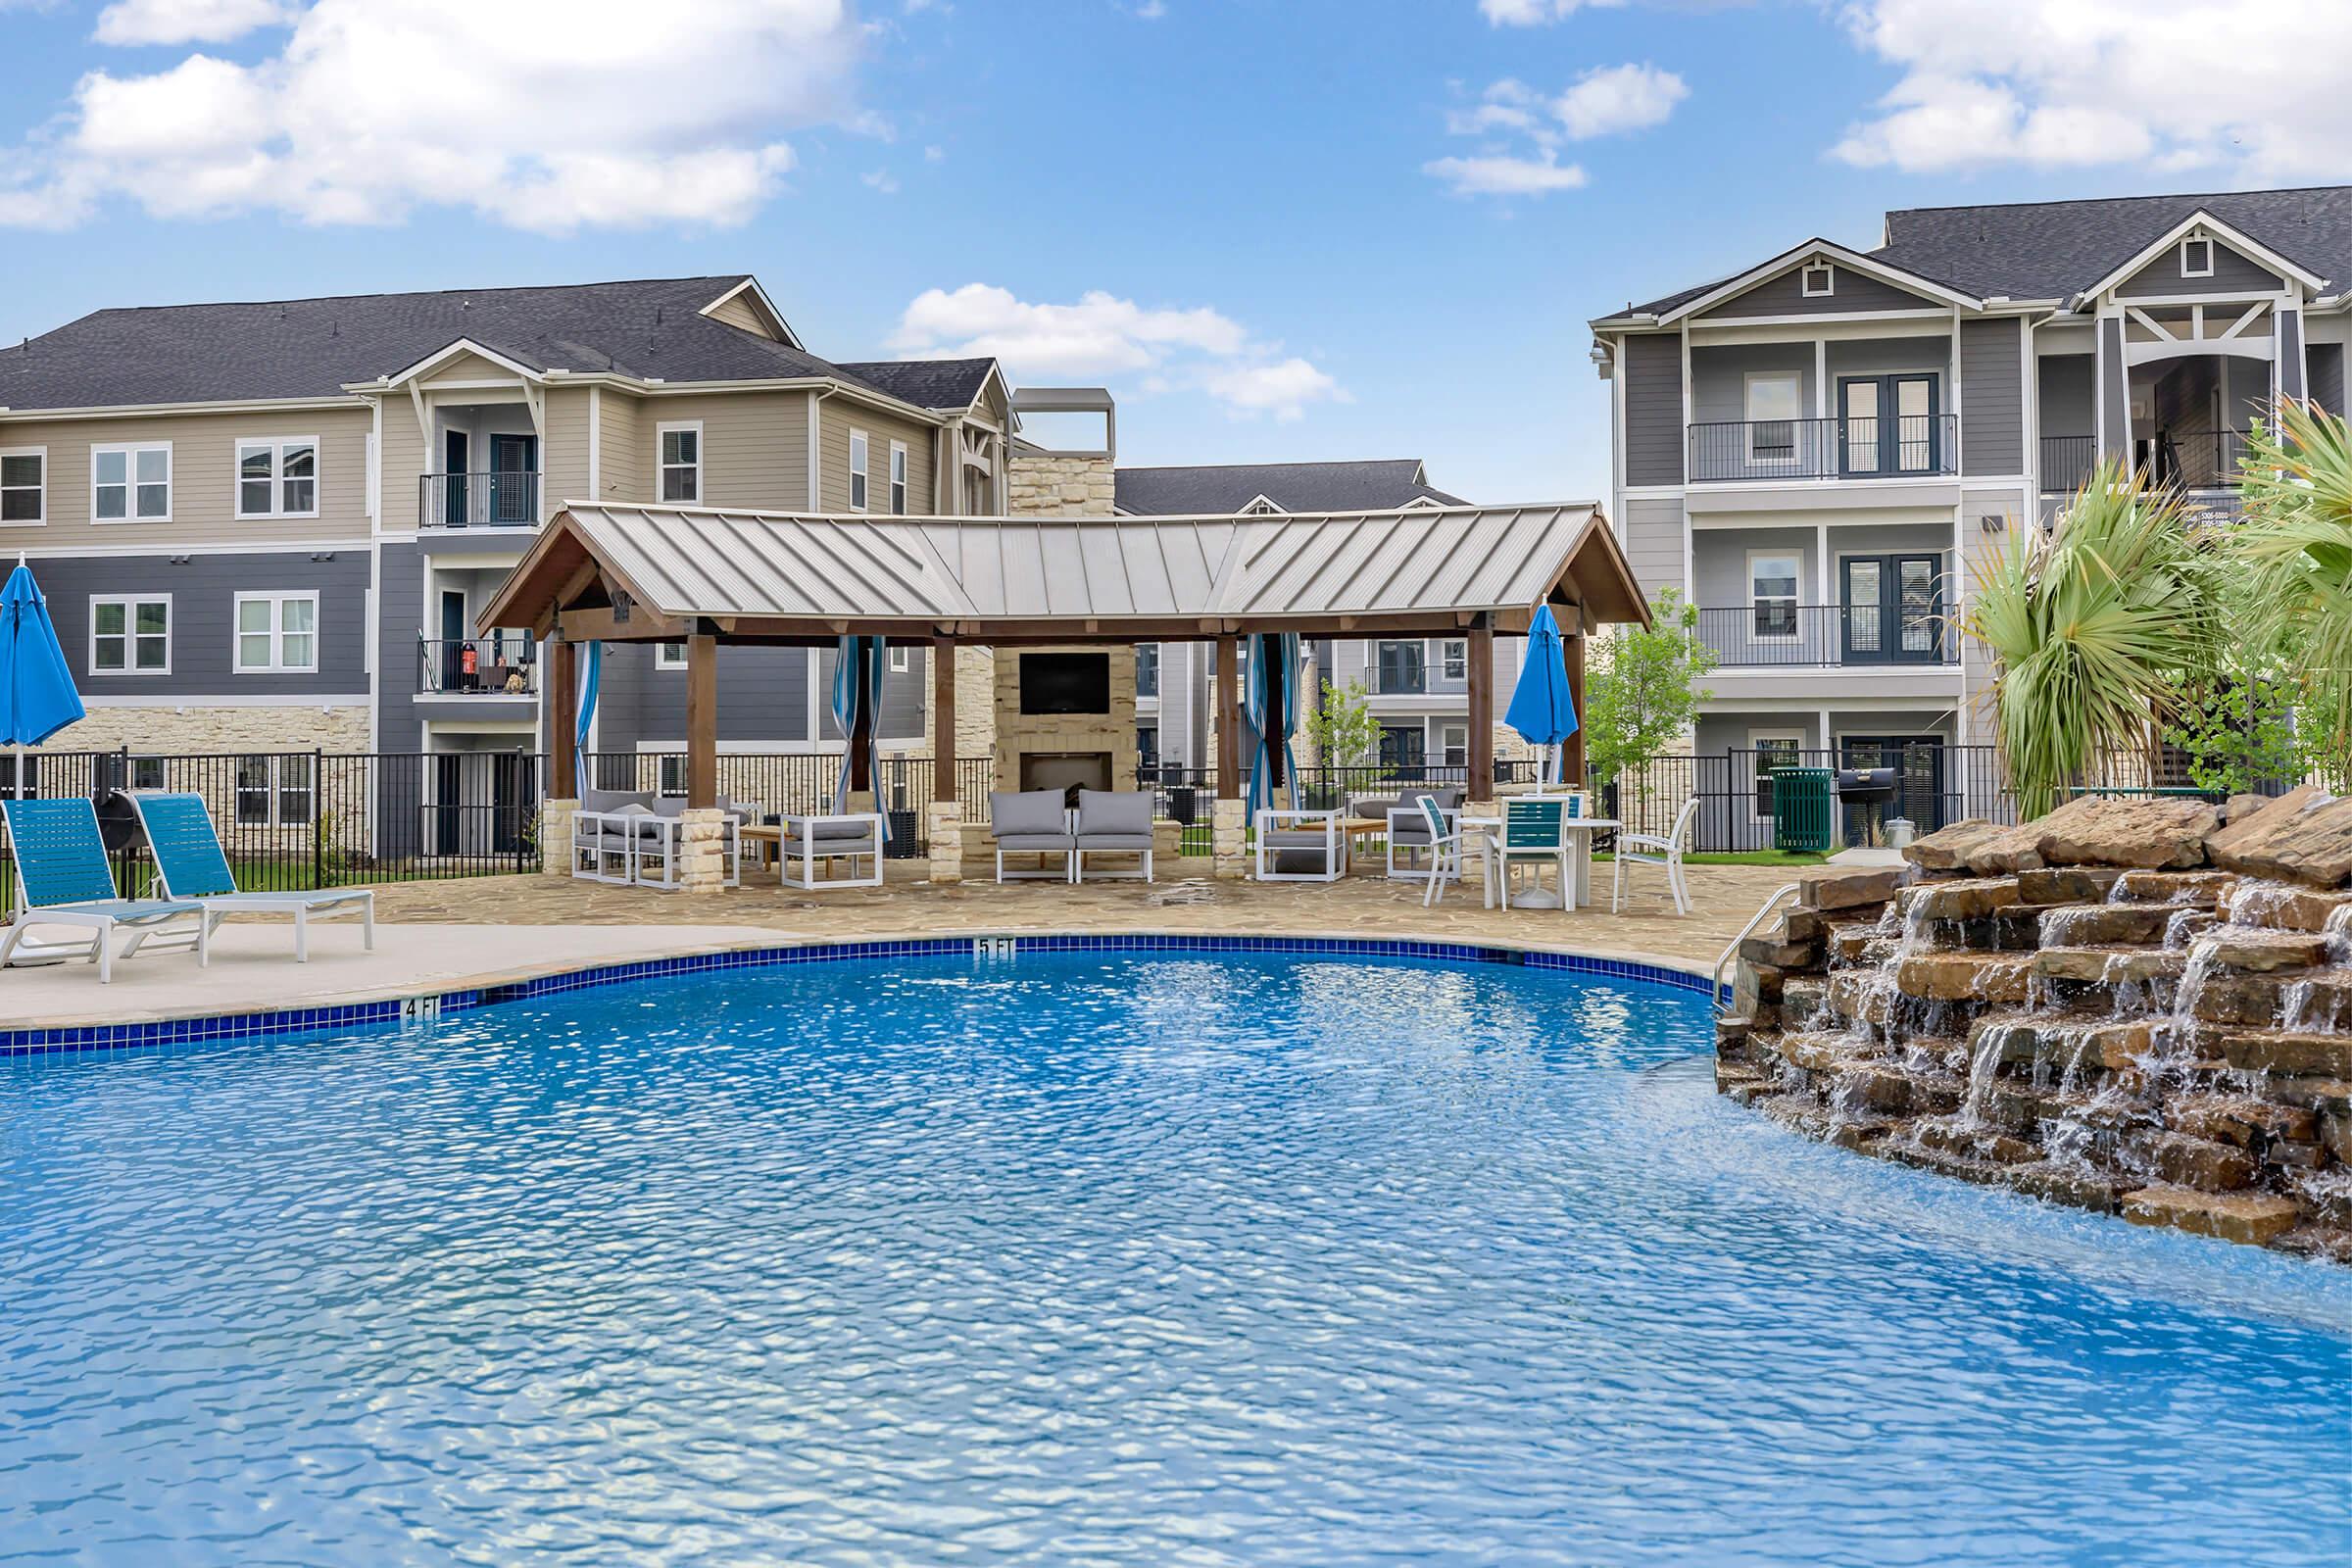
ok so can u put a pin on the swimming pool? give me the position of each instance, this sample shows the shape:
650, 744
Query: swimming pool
1097, 1259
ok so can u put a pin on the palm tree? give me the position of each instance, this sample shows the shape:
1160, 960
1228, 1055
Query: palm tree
2091, 628
2295, 546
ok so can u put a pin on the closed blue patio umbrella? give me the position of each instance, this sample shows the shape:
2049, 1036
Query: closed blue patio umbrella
37, 697
858, 669
1541, 709
1272, 704
591, 678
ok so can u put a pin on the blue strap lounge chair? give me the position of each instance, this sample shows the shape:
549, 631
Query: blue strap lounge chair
189, 861
62, 879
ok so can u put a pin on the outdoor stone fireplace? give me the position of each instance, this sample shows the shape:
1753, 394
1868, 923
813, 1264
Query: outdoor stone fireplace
1072, 724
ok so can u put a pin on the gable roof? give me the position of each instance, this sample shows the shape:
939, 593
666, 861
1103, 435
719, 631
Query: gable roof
925, 383
651, 329
787, 574
2056, 250
1376, 484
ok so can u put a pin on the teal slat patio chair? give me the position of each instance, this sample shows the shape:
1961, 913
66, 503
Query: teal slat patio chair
62, 878
191, 864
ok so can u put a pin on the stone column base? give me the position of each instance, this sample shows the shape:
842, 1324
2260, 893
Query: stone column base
554, 837
1229, 839
943, 824
703, 850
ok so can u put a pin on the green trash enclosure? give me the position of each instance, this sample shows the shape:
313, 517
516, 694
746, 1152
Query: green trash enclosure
1801, 816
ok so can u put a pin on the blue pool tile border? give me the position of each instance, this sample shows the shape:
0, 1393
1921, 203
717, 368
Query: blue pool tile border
168, 1034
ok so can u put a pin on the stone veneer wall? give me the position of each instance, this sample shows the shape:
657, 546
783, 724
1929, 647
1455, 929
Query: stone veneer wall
168, 730
1060, 484
2134, 1006
1018, 733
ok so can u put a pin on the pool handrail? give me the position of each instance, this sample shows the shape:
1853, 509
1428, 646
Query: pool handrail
1715, 981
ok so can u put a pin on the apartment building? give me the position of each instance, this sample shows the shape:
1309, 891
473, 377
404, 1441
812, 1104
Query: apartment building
1417, 688
1814, 448
267, 528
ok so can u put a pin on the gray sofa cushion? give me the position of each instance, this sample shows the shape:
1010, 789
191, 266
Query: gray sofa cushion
1033, 843
1294, 838
795, 828
1027, 812
1125, 813
613, 799
1115, 841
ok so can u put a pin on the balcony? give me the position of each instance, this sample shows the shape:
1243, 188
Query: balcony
501, 499
1776, 635
1910, 446
504, 664
2197, 461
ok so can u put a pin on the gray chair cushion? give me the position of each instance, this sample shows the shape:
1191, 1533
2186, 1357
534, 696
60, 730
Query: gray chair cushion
1294, 838
1027, 812
1378, 806
795, 829
1115, 841
1127, 812
1031, 843
613, 799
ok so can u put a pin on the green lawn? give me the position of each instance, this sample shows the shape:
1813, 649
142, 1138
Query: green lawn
1747, 858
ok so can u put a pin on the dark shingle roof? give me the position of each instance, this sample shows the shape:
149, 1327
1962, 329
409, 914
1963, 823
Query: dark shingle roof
312, 348
1371, 485
2052, 250
927, 384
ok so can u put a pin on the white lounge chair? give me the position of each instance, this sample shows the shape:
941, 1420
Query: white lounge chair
1112, 822
1283, 834
1444, 840
811, 844
190, 864
1033, 823
62, 879
1647, 848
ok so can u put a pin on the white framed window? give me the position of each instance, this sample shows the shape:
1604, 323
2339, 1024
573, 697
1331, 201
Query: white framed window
2196, 258
1772, 579
902, 660
1817, 281
146, 772
670, 655
1453, 657
274, 791
898, 478
679, 456
860, 454
1774, 402
277, 476
130, 634
23, 486
1773, 747
1454, 744
132, 483
276, 633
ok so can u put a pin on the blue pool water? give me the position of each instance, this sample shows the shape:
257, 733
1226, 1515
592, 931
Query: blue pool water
1089, 1259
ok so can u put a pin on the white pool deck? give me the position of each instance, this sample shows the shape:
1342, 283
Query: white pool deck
253, 969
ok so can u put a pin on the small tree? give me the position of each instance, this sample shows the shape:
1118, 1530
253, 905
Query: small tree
1644, 690
1343, 729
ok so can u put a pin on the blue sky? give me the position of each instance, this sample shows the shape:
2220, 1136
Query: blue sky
1277, 230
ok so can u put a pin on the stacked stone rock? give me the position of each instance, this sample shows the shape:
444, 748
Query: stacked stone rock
2132, 1005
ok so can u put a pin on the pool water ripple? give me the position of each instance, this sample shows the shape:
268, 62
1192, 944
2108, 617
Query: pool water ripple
1084, 1259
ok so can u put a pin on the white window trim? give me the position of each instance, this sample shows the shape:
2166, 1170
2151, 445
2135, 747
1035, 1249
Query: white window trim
901, 658
1755, 745
1436, 747
702, 453
277, 445
1749, 422
1828, 280
41, 452
2187, 270
130, 451
1444, 658
861, 445
278, 634
275, 789
664, 659
131, 648
1796, 600
902, 480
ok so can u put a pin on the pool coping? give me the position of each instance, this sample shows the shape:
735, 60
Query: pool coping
763, 950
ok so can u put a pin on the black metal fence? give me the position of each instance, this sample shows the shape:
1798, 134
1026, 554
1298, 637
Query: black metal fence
503, 663
500, 499
1781, 635
792, 783
1850, 447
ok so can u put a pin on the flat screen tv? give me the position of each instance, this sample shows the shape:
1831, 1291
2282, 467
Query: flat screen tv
1065, 683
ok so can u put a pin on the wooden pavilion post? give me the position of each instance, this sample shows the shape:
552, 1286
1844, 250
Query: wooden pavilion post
1229, 826
1480, 785
1572, 761
943, 718
702, 723
562, 714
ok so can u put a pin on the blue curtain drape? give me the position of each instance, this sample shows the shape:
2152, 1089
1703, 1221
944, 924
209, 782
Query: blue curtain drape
592, 671
1272, 707
858, 669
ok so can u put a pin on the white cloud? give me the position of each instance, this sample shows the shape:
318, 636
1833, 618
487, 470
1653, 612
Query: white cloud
144, 21
538, 113
1609, 99
1499, 175
2171, 85
1103, 337
883, 180
1534, 13
1524, 131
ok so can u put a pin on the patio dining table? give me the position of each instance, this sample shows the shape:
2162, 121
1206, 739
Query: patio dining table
1484, 833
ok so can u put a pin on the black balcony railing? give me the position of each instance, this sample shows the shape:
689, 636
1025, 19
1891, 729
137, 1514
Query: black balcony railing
2067, 461
1778, 635
505, 499
2201, 459
1760, 451
500, 664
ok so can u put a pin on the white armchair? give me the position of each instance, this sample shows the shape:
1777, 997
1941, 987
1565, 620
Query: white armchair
1298, 835
809, 844
1649, 848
